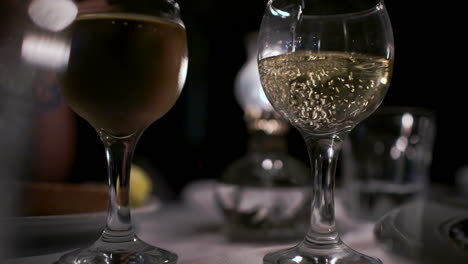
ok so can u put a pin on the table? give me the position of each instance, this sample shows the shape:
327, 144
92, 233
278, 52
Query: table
192, 229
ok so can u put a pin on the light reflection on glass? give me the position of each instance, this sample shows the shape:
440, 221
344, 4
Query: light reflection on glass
280, 13
264, 99
395, 153
297, 259
407, 121
267, 164
278, 164
401, 143
45, 50
384, 80
183, 72
269, 126
330, 152
53, 15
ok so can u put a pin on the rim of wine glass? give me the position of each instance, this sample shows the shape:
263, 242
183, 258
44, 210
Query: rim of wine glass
351, 15
133, 15
89, 8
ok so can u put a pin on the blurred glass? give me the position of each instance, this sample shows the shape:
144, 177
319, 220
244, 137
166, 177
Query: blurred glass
432, 230
264, 194
386, 160
17, 103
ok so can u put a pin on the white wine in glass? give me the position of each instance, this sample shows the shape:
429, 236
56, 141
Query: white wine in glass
123, 71
325, 66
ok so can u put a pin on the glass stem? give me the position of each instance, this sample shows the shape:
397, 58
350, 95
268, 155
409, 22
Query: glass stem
119, 154
323, 153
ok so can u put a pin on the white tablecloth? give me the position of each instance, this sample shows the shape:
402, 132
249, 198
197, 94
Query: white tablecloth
192, 229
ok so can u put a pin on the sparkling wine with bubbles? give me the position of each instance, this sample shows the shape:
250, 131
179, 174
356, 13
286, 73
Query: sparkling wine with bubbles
325, 92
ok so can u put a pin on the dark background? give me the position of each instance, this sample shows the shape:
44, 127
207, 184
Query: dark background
205, 130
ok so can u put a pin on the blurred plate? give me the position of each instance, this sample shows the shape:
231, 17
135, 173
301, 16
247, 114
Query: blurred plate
421, 230
38, 235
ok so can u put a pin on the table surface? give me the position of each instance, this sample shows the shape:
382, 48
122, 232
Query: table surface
192, 229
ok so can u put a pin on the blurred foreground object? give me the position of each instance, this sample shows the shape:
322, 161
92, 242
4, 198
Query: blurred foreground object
386, 160
141, 186
264, 194
55, 134
47, 51
429, 231
63, 198
60, 198
16, 111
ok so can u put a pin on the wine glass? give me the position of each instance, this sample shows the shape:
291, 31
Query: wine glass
126, 69
325, 66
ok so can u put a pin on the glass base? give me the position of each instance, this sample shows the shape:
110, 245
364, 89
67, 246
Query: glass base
305, 253
134, 252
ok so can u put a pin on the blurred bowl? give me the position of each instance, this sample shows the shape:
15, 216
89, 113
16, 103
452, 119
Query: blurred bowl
40, 199
62, 217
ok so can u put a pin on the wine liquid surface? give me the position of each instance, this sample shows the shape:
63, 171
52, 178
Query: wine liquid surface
124, 71
325, 92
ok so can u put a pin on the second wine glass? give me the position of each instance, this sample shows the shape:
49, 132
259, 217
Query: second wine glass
325, 66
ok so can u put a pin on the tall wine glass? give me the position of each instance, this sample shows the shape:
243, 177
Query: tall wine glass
325, 66
126, 69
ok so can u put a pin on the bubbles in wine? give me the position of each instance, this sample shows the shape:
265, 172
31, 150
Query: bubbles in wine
325, 92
